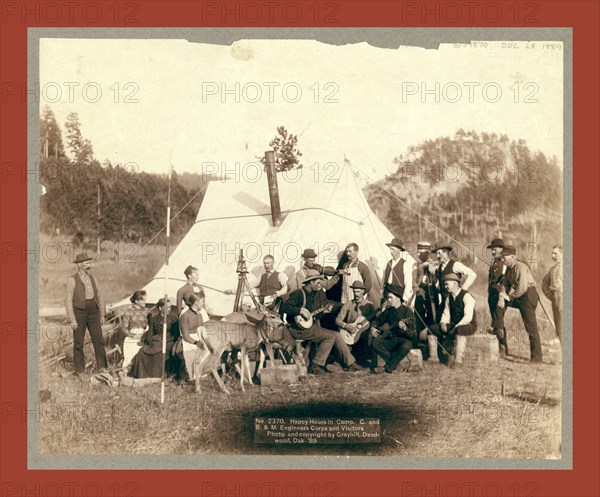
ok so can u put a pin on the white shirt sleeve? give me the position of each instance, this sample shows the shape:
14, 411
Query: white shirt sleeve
469, 302
460, 268
408, 282
446, 314
283, 282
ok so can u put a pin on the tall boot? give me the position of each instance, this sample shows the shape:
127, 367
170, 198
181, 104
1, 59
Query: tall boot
432, 341
503, 346
460, 349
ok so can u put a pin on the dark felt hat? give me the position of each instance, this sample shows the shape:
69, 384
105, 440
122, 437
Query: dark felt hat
396, 242
308, 253
79, 258
442, 246
496, 243
397, 290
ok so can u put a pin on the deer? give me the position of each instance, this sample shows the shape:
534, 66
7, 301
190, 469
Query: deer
243, 332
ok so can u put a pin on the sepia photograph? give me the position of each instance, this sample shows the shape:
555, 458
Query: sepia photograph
343, 248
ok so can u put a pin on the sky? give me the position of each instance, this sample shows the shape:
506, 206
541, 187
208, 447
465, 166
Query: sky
207, 107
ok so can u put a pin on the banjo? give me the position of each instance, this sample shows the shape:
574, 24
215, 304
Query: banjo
306, 323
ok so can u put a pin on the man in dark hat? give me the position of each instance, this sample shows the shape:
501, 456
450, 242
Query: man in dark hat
552, 286
519, 291
495, 282
85, 309
458, 321
393, 331
310, 302
397, 271
447, 266
309, 257
354, 319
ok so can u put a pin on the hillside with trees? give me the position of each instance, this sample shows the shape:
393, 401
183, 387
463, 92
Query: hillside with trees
87, 200
473, 187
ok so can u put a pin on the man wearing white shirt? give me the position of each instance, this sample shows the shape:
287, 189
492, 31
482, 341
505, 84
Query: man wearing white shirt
271, 284
458, 320
398, 272
448, 266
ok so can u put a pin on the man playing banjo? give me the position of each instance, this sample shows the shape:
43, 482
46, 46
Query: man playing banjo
304, 307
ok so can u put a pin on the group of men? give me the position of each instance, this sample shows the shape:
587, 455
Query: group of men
427, 305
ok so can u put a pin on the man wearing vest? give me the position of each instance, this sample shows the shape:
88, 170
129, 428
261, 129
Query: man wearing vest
495, 281
354, 270
448, 266
552, 286
85, 309
458, 321
272, 284
397, 272
519, 291
305, 302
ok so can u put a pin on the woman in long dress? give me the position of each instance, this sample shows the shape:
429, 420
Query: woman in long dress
135, 324
148, 362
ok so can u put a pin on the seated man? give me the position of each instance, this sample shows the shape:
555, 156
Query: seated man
458, 321
393, 331
353, 319
310, 302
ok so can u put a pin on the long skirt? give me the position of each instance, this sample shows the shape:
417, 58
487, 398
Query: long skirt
131, 347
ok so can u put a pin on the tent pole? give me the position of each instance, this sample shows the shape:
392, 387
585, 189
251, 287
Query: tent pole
166, 308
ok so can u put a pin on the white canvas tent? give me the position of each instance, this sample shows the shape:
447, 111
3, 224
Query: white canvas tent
323, 209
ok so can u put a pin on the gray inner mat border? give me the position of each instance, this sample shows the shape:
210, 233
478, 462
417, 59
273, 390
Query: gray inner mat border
379, 37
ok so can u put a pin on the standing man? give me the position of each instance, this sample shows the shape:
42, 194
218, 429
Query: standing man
85, 309
393, 331
354, 319
397, 271
426, 300
495, 285
192, 287
458, 320
448, 266
309, 257
354, 270
519, 291
272, 285
552, 286
310, 301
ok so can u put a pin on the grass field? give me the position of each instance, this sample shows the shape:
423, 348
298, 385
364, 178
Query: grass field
509, 410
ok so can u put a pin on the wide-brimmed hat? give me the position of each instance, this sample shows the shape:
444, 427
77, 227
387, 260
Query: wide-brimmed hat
397, 290
396, 242
312, 275
509, 250
358, 284
309, 253
442, 246
423, 245
452, 277
79, 258
496, 243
